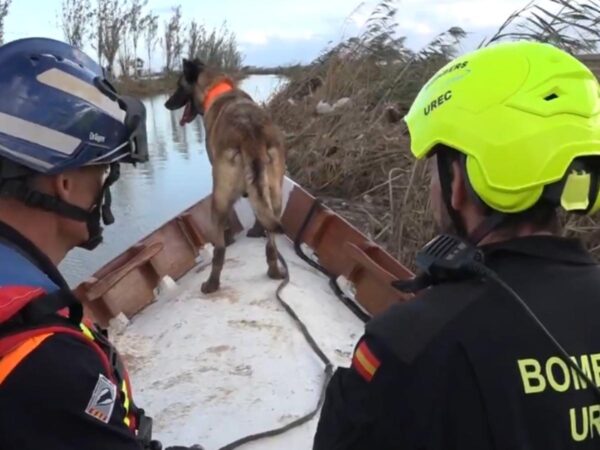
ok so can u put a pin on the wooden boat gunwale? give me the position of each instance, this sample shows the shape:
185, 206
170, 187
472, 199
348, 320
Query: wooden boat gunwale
128, 283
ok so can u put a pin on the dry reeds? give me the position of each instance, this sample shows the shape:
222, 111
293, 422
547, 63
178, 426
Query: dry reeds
357, 156
359, 152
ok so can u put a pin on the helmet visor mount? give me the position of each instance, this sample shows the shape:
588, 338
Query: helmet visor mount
135, 121
135, 148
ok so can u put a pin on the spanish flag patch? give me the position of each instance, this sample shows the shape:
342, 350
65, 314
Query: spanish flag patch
365, 362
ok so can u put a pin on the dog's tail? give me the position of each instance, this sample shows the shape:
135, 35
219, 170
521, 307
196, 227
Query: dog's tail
255, 160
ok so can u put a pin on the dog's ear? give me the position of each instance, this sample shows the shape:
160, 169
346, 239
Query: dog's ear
192, 69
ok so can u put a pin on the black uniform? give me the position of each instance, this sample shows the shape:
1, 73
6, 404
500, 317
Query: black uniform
45, 399
43, 402
463, 367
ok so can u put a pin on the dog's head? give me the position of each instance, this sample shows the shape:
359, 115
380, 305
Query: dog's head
189, 92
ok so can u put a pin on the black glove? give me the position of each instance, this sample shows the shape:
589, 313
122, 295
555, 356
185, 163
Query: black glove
154, 445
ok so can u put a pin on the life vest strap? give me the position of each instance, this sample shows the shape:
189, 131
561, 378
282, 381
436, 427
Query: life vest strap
48, 304
40, 318
10, 361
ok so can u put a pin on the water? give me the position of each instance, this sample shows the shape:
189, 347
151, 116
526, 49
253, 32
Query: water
177, 176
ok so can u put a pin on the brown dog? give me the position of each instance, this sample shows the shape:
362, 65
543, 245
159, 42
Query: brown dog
247, 155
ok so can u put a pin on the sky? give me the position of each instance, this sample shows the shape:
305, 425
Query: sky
279, 32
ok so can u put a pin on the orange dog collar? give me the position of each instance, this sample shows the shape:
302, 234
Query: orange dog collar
214, 92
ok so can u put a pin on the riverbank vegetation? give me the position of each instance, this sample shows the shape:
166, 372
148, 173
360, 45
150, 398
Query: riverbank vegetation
342, 118
128, 37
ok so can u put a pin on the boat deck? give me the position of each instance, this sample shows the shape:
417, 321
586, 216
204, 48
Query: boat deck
211, 369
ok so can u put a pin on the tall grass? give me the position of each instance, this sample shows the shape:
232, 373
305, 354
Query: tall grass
360, 153
568, 24
217, 48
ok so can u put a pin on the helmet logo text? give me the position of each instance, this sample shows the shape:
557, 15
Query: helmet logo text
437, 102
97, 138
450, 69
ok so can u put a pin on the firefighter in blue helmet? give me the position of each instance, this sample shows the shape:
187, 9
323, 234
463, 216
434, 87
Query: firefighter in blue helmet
64, 131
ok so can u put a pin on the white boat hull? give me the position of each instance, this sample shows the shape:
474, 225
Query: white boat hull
211, 369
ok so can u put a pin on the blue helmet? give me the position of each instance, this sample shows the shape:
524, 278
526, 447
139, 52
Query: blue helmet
58, 112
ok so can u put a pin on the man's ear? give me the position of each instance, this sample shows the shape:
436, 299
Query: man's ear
459, 188
191, 70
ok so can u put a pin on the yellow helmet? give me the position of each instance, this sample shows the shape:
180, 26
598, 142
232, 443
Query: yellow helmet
526, 115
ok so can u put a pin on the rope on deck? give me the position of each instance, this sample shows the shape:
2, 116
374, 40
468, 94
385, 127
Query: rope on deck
328, 371
317, 203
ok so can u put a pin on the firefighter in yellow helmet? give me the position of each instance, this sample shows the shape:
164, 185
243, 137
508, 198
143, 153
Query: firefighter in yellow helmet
500, 348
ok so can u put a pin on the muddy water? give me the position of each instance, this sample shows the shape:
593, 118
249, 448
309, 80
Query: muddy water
177, 176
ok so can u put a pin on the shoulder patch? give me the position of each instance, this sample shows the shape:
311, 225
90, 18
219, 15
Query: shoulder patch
103, 399
365, 362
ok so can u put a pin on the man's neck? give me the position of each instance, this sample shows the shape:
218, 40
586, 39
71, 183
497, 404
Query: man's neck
39, 230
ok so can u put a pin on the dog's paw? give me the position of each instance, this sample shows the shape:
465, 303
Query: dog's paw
256, 232
210, 286
229, 237
276, 273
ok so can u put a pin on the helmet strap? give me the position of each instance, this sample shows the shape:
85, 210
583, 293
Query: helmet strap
444, 166
487, 225
19, 189
101, 210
